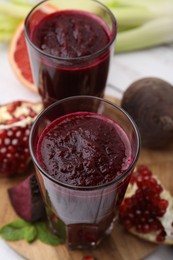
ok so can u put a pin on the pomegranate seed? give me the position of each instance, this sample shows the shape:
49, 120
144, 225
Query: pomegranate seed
138, 212
10, 156
12, 107
155, 225
128, 224
11, 149
139, 228
9, 133
14, 142
146, 228
163, 204
158, 188
7, 141
3, 150
161, 236
132, 180
27, 132
139, 180
12, 121
143, 220
88, 257
153, 182
32, 114
18, 133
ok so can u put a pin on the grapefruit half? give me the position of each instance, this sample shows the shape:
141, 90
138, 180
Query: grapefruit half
17, 53
19, 59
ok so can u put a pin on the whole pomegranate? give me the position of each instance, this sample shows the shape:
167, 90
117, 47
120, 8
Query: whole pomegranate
16, 119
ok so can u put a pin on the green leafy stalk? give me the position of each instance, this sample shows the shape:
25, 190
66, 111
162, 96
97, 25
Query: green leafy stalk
141, 24
131, 16
7, 28
8, 23
137, 12
150, 4
13, 10
5, 37
22, 2
155, 32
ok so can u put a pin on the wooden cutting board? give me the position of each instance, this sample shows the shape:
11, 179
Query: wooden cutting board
120, 245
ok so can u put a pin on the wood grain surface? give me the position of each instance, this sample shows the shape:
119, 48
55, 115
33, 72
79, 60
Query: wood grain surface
120, 245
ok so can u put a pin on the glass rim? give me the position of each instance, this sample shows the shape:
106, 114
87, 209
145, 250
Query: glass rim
86, 57
117, 179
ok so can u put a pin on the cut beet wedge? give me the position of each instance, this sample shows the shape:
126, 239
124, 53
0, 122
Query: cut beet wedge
26, 199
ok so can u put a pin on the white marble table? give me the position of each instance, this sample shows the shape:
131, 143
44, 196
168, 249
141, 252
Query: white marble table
125, 68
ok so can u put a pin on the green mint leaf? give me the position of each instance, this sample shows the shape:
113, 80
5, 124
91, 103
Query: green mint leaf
23, 230
18, 230
30, 233
46, 236
60, 227
19, 223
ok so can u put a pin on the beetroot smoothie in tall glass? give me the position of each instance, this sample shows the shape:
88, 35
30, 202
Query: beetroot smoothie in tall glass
70, 53
84, 149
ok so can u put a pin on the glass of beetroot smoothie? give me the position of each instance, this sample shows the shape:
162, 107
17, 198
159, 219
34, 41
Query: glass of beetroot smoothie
84, 150
70, 44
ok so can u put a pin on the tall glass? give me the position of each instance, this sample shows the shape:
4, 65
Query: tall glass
86, 212
58, 72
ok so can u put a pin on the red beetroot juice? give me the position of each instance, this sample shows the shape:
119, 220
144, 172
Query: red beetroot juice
84, 150
70, 36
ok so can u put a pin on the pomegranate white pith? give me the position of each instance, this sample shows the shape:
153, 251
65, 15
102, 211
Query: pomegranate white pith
147, 209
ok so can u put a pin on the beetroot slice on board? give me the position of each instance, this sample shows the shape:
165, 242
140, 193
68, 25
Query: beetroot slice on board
26, 199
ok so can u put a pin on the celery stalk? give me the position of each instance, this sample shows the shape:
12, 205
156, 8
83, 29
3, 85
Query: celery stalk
141, 23
132, 16
22, 2
12, 12
19, 11
5, 36
140, 13
152, 33
153, 4
6, 20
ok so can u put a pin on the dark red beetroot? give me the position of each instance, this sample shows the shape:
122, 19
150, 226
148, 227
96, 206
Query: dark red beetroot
26, 199
16, 119
150, 103
146, 207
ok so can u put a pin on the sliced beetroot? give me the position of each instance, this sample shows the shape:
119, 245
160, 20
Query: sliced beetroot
26, 199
